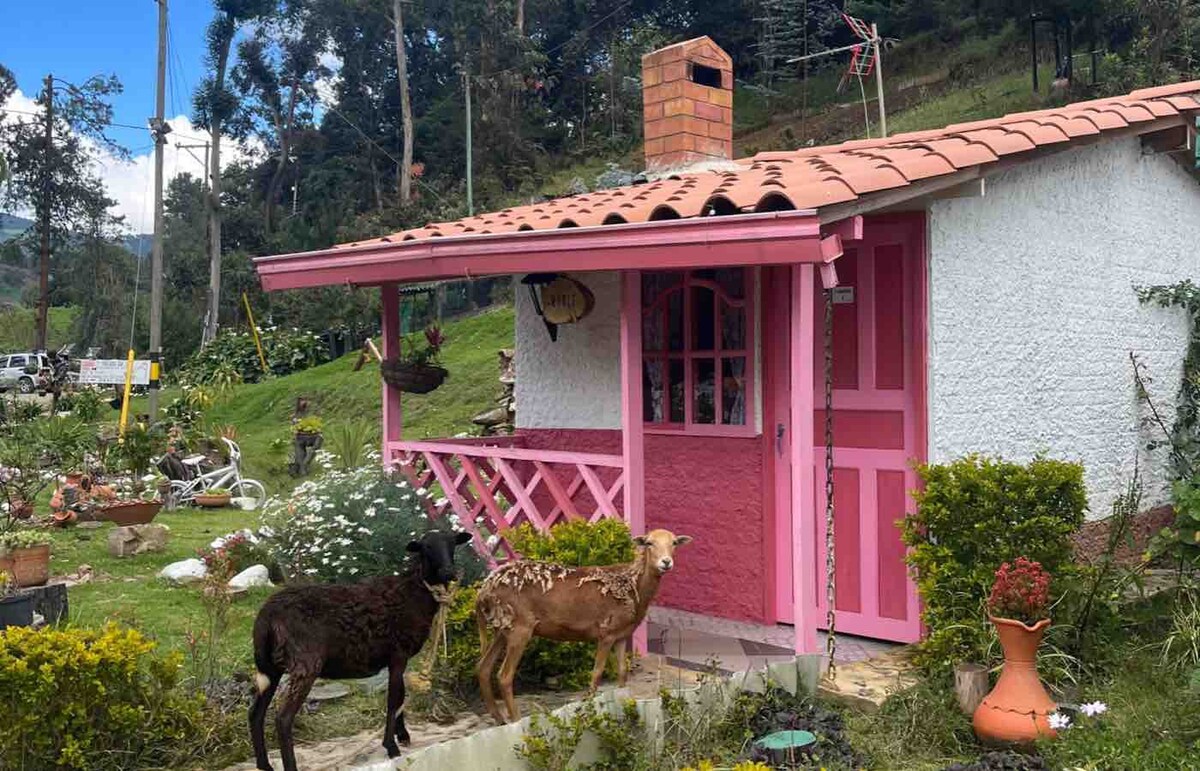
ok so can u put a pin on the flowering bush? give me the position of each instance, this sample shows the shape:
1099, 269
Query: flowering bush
98, 699
1021, 592
347, 525
233, 356
237, 551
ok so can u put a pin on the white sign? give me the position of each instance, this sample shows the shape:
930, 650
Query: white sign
112, 371
843, 295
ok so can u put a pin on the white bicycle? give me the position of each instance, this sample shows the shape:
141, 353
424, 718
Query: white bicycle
247, 494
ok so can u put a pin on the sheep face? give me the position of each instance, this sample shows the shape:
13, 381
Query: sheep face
660, 545
435, 550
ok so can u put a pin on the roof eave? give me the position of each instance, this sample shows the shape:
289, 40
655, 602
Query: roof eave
739, 239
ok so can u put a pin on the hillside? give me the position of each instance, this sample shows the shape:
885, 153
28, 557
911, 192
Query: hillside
17, 328
343, 398
12, 226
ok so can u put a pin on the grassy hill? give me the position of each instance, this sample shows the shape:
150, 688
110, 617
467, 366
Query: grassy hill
17, 327
343, 398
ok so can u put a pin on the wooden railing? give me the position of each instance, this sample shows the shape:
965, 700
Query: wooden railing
495, 483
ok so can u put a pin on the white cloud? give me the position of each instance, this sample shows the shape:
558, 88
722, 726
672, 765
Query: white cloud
130, 182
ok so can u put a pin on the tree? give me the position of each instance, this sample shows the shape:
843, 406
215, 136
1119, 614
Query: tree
405, 105
213, 105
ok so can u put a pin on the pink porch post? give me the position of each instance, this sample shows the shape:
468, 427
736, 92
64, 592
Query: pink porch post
632, 447
392, 421
804, 590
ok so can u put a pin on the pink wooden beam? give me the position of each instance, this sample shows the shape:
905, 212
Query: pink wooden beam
564, 498
393, 424
804, 548
514, 453
850, 229
632, 441
599, 493
744, 239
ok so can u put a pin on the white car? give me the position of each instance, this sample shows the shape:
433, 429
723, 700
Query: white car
25, 372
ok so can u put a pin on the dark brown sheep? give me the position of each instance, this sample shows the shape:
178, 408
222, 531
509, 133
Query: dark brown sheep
347, 631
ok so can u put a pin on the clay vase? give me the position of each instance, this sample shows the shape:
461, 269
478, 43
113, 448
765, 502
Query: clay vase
1017, 710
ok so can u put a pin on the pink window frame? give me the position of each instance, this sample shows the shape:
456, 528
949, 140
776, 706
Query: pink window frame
688, 355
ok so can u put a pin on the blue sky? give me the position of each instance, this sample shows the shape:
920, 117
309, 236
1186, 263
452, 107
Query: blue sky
75, 39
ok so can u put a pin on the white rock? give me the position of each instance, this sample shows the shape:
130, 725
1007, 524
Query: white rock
184, 572
255, 575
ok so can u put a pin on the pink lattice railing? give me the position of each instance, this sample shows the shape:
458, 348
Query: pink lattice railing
495, 483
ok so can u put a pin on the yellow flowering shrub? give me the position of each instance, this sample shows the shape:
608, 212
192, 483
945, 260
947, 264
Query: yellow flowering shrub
90, 699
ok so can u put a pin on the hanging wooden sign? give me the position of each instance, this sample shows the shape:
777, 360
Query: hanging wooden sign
565, 301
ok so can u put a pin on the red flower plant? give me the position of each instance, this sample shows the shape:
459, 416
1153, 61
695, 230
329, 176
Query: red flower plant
435, 338
1021, 592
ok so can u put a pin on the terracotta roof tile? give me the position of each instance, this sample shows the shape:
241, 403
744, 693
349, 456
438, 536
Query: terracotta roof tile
813, 177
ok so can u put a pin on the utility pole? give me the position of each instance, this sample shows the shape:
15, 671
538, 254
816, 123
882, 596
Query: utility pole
43, 312
879, 79
159, 130
470, 182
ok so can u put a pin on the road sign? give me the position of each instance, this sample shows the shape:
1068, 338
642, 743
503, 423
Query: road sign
112, 371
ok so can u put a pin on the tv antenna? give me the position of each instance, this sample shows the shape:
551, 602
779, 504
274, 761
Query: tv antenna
866, 57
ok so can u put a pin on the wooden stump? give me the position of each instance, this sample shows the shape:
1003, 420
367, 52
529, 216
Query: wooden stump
971, 684
50, 601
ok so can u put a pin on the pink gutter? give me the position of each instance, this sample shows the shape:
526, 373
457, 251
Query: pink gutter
771, 238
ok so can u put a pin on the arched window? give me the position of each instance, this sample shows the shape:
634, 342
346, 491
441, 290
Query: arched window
698, 351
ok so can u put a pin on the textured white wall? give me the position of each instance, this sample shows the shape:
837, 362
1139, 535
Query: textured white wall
1033, 313
575, 382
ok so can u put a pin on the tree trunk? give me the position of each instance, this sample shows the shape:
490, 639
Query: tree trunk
214, 220
405, 105
521, 18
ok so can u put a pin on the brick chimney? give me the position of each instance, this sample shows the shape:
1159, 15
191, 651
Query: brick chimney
687, 100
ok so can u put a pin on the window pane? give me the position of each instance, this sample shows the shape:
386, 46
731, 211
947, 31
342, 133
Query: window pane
733, 328
652, 330
704, 408
675, 370
16, 361
733, 391
675, 321
652, 391
702, 318
732, 281
656, 283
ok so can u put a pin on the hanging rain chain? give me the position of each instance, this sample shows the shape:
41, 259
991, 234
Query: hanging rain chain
830, 566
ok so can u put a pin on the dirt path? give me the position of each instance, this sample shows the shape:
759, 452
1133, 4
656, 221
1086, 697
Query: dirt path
365, 748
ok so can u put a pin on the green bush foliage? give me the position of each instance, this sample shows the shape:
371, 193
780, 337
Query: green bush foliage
574, 543
233, 357
973, 515
92, 699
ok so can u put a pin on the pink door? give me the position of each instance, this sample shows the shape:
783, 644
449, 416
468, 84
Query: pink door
879, 428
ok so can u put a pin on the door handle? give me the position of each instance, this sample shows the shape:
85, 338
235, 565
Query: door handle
779, 438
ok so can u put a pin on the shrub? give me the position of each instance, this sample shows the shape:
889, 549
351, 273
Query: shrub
551, 740
573, 543
349, 525
87, 404
97, 699
233, 357
238, 551
973, 515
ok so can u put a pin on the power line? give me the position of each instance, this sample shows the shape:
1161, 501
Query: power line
568, 41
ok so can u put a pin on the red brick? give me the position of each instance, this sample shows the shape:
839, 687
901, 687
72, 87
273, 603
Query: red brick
652, 112
709, 112
678, 106
651, 76
674, 71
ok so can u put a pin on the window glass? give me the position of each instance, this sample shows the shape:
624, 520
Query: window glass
733, 391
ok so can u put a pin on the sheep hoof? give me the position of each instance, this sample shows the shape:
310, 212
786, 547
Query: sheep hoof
392, 750
403, 738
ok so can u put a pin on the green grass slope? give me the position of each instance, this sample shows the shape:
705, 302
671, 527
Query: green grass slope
339, 395
18, 328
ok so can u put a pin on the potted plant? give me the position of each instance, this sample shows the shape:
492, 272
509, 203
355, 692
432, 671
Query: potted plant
213, 498
16, 609
417, 369
1018, 709
25, 556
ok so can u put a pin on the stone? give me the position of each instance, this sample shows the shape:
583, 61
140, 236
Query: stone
255, 575
132, 540
376, 683
184, 572
328, 692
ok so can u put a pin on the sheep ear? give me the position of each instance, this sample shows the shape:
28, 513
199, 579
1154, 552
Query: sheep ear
641, 540
462, 537
413, 546
681, 540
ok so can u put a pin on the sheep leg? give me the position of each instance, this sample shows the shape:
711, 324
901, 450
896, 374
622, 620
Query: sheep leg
518, 640
622, 649
300, 682
258, 718
485, 669
394, 729
602, 649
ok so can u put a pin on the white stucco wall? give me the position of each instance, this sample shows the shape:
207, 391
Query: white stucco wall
575, 382
1033, 313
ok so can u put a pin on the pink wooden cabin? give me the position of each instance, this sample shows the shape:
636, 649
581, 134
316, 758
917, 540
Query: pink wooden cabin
691, 397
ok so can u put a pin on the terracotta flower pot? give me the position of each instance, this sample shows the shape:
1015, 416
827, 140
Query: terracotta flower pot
125, 513
1017, 710
212, 501
29, 566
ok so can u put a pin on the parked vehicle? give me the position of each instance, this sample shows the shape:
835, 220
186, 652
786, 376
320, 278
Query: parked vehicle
26, 372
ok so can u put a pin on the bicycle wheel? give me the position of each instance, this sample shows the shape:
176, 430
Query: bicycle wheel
182, 492
251, 492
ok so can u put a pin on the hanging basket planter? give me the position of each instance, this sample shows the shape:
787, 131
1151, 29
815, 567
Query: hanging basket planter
413, 378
